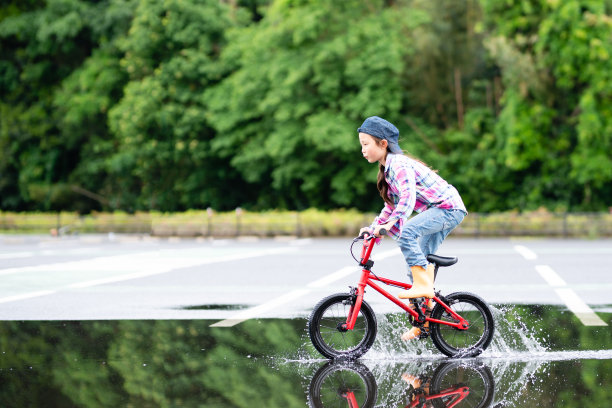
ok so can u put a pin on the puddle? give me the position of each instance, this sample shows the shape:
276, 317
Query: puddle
540, 356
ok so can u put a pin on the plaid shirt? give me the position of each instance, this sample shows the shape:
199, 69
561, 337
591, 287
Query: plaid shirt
414, 187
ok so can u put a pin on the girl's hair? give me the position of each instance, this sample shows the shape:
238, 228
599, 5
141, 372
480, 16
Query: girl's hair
383, 186
381, 183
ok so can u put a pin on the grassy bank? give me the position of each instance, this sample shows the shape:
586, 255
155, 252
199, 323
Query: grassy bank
309, 223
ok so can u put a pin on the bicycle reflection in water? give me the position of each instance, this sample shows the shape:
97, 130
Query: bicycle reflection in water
452, 384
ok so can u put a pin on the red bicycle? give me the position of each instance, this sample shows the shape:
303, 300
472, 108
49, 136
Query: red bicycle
453, 384
343, 325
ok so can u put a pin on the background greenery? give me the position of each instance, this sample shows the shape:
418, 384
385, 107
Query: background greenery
171, 105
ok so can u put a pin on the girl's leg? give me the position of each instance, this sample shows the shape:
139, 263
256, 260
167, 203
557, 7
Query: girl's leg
429, 244
423, 234
434, 229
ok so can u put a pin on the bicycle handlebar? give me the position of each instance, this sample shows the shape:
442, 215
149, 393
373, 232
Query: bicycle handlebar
381, 233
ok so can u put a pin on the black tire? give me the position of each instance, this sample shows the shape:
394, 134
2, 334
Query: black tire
331, 383
463, 343
329, 340
474, 375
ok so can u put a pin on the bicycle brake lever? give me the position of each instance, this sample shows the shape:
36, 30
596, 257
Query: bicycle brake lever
362, 236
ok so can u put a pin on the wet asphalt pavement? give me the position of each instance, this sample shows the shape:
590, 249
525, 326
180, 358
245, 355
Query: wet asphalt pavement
134, 321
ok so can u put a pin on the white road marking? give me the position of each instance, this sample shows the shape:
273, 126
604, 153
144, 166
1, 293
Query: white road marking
573, 302
257, 311
526, 252
27, 296
14, 255
387, 254
550, 276
139, 265
261, 309
339, 274
579, 308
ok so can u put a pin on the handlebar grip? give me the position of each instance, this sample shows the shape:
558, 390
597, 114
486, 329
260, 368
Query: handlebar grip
383, 231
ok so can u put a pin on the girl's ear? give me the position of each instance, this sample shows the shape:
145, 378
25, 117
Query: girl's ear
384, 144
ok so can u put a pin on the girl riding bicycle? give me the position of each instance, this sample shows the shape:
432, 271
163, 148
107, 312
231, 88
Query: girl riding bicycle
408, 185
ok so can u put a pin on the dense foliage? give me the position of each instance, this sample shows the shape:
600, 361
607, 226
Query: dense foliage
178, 104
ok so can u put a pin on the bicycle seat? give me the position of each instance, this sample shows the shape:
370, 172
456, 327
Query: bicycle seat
442, 260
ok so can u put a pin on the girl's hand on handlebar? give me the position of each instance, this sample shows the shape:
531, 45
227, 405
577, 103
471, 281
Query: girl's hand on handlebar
380, 230
383, 229
365, 231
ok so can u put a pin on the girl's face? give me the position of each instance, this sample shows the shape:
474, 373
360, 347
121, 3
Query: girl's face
373, 149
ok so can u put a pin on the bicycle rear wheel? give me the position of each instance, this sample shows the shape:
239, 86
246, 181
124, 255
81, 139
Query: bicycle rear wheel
325, 327
463, 343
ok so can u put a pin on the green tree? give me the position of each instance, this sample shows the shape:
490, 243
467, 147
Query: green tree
300, 84
54, 96
553, 130
171, 105
163, 155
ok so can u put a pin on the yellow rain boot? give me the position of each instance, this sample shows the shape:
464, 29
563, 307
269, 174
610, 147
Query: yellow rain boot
422, 283
412, 380
411, 334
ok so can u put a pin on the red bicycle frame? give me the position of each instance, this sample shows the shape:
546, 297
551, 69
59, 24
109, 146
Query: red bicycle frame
457, 394
351, 399
367, 279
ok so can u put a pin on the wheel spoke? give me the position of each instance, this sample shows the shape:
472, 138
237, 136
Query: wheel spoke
331, 341
451, 340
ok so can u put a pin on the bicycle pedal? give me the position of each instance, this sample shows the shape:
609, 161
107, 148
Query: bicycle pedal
425, 331
423, 335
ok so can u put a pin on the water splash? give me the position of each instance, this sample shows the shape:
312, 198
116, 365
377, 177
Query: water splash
512, 335
512, 339
390, 347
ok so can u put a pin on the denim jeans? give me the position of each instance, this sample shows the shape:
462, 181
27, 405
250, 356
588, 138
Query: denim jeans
423, 234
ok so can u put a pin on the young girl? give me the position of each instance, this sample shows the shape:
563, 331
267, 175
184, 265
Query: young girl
408, 185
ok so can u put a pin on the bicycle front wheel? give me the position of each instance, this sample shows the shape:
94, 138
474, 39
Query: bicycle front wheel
328, 336
337, 384
463, 343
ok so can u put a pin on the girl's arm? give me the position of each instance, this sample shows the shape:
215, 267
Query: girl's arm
383, 217
404, 181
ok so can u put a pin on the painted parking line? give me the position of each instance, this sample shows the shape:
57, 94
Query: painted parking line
526, 252
260, 310
112, 269
582, 311
550, 276
339, 274
25, 296
16, 255
573, 302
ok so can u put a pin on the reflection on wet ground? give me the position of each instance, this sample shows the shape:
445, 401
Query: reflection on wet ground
541, 356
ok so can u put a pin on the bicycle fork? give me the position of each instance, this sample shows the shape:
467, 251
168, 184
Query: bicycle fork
356, 299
